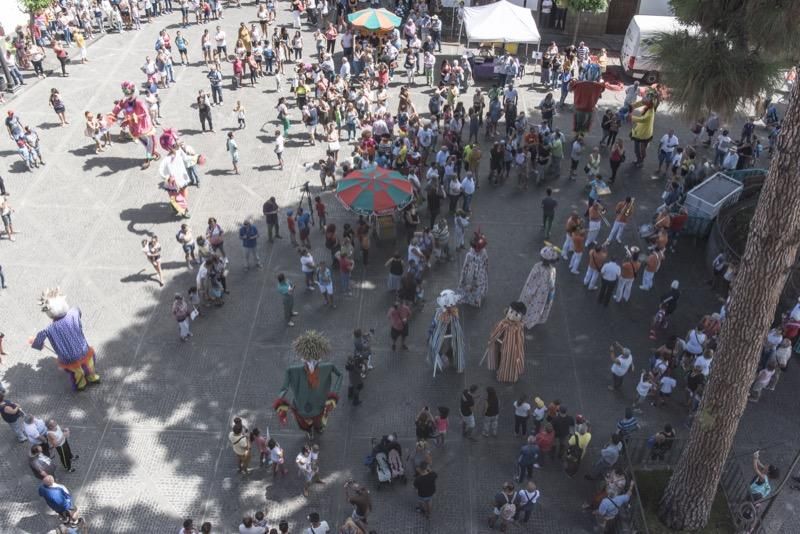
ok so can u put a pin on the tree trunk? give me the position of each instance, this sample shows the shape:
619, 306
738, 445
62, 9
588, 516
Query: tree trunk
771, 251
577, 25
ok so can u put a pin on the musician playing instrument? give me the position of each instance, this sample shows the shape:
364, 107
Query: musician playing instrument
651, 268
630, 268
573, 221
663, 219
597, 258
578, 243
596, 212
623, 211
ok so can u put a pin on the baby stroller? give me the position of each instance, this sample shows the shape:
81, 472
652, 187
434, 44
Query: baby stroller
387, 460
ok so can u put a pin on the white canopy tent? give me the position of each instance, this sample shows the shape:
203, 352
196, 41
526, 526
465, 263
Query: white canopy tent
500, 22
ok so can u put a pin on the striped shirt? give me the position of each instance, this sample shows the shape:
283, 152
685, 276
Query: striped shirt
66, 337
627, 426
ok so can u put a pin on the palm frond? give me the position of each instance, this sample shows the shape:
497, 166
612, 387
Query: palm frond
708, 72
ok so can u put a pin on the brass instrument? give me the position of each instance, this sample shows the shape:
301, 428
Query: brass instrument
603, 211
628, 210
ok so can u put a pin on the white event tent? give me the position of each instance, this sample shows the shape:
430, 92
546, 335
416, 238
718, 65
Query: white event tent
500, 22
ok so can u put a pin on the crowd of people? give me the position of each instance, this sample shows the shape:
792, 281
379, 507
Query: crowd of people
438, 149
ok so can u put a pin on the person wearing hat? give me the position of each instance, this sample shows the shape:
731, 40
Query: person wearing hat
539, 413
181, 313
539, 290
436, 32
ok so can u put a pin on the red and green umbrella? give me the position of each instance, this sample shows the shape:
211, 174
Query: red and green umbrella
377, 191
374, 19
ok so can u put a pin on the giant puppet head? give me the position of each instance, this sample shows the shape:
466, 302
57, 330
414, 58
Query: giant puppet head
129, 90
478, 241
516, 311
448, 299
168, 140
549, 255
311, 347
54, 303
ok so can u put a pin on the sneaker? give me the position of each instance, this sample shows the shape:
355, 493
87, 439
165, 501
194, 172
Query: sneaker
290, 323
295, 314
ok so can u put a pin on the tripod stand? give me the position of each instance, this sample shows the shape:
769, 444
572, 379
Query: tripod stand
305, 194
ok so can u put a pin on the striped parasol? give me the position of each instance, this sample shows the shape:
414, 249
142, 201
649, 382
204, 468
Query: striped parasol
377, 191
374, 20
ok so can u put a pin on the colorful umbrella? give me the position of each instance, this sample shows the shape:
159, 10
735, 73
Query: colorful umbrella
377, 191
374, 19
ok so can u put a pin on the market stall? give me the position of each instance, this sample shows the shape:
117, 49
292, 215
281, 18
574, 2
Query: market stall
499, 24
373, 21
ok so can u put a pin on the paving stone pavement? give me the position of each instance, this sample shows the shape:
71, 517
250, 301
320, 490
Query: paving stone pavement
153, 437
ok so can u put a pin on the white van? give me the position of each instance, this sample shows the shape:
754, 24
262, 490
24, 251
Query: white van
637, 58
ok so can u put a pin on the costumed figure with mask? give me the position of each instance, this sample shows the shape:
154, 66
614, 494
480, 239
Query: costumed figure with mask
445, 336
474, 282
173, 170
643, 124
137, 120
505, 350
314, 385
540, 288
65, 334
586, 92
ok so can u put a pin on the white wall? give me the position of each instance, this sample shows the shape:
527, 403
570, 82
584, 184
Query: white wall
655, 7
11, 16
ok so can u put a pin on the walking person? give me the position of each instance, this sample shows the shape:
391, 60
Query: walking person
504, 508
398, 315
528, 459
59, 499
491, 413
527, 497
609, 276
204, 109
324, 280
5, 213
240, 441
621, 364
270, 210
12, 414
467, 410
58, 439
233, 149
280, 146
425, 484
522, 410
286, 289
548, 212
248, 233
152, 251
182, 313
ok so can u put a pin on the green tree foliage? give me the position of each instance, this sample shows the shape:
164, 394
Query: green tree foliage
734, 53
588, 6
31, 6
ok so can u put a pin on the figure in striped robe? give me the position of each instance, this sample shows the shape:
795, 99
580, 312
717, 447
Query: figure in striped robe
505, 351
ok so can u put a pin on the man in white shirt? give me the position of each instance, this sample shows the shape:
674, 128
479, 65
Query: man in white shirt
731, 160
704, 362
468, 188
222, 44
723, 144
609, 275
669, 142
620, 365
248, 527
317, 526
344, 70
425, 137
510, 94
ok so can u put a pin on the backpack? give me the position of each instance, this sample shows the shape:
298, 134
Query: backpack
508, 510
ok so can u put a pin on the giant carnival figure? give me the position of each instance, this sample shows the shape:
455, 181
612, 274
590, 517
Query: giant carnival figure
314, 385
474, 281
586, 92
65, 334
137, 120
173, 170
505, 351
540, 288
446, 346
